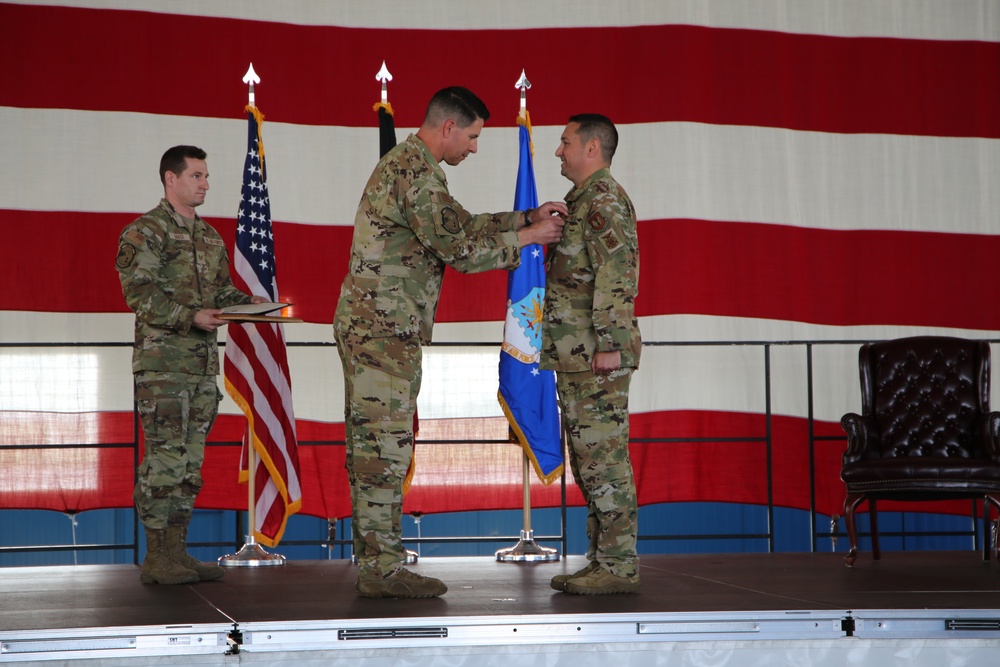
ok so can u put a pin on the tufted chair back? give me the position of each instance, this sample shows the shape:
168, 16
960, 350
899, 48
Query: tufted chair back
925, 431
927, 395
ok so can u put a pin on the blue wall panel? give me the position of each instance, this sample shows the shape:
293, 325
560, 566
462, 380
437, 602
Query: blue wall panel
680, 528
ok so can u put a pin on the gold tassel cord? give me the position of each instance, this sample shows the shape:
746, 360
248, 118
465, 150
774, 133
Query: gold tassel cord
384, 105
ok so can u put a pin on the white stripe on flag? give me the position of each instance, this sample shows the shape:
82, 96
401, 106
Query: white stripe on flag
923, 19
704, 172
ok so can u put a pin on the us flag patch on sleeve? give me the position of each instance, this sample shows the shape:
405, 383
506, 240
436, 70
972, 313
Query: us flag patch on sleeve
135, 237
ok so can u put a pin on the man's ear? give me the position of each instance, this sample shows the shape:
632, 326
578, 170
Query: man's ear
448, 127
593, 147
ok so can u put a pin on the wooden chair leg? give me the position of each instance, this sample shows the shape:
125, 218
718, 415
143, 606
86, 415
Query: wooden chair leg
873, 520
851, 503
990, 539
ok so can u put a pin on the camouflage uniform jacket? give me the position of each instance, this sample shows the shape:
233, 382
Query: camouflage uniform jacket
592, 280
407, 228
168, 273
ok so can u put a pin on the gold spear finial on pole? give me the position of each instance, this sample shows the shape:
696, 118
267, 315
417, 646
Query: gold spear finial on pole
523, 84
251, 78
384, 76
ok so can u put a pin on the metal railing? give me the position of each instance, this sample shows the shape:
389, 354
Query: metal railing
332, 540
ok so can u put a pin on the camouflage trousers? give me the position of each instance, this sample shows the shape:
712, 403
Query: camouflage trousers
177, 411
381, 382
595, 418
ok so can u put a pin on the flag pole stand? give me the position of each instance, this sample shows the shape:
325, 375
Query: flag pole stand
251, 554
527, 550
413, 556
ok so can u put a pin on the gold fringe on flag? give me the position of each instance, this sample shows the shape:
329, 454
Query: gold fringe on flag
518, 438
259, 117
524, 118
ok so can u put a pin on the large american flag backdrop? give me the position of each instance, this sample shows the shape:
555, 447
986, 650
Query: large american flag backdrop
803, 171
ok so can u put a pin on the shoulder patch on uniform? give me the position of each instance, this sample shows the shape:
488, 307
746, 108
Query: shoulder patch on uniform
597, 222
126, 255
449, 220
611, 241
218, 242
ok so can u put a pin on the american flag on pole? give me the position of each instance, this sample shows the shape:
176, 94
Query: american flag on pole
256, 364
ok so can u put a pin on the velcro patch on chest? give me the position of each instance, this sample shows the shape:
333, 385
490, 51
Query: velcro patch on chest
180, 236
216, 242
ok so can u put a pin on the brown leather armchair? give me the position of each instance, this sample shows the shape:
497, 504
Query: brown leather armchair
925, 431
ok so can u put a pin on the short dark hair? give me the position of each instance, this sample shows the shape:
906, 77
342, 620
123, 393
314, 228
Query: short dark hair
600, 127
457, 103
175, 160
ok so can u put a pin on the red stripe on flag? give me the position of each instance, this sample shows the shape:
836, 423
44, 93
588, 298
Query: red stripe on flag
709, 75
828, 277
276, 514
265, 365
317, 260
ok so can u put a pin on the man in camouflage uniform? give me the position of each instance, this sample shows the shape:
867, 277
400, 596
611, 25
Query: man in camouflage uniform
590, 337
407, 228
174, 273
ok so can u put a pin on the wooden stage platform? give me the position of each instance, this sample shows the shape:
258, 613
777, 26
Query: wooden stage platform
804, 609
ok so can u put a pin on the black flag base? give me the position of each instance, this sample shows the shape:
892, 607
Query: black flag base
251, 555
527, 550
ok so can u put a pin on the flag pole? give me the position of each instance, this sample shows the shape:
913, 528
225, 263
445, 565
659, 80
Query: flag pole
526, 549
387, 139
251, 554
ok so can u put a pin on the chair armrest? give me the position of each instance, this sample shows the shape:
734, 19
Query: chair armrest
992, 439
857, 429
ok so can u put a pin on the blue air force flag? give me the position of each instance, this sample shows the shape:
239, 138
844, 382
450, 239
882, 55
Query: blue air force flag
527, 394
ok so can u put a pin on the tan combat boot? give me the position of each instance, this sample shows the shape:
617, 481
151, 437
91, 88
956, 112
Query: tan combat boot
158, 567
558, 582
601, 582
400, 584
177, 547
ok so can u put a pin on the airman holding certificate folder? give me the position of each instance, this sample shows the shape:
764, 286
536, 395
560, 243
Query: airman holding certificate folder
174, 272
